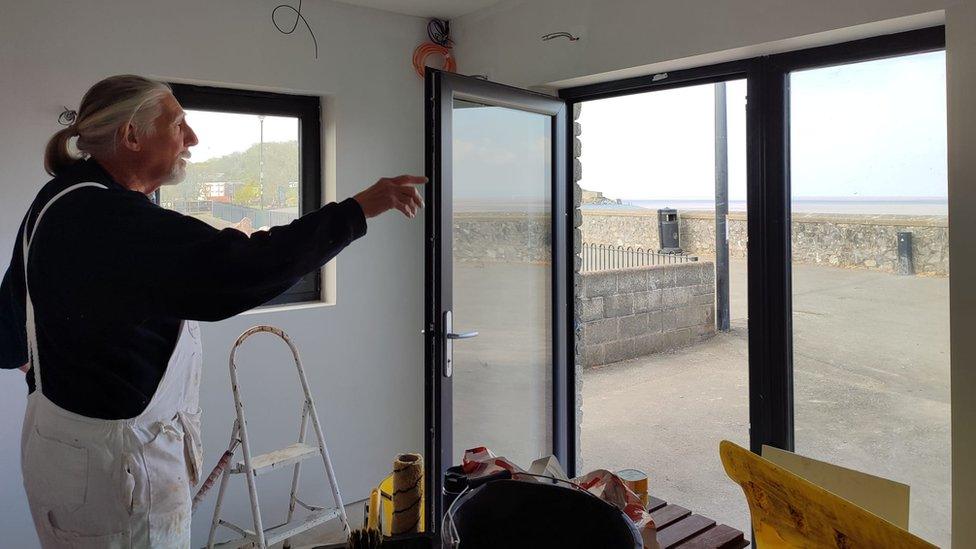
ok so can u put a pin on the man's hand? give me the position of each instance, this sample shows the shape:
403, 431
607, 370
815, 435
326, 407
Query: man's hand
24, 368
392, 192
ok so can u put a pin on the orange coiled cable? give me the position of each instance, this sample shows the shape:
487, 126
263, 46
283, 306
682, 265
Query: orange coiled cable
428, 49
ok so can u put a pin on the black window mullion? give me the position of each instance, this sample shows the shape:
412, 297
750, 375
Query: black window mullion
769, 259
563, 298
567, 209
661, 81
867, 49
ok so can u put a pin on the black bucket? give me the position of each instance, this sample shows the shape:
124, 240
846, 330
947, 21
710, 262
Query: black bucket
513, 514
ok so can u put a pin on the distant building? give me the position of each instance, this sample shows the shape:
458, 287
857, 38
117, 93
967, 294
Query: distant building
219, 191
596, 197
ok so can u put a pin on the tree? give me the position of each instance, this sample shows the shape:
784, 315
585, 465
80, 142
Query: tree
281, 167
248, 194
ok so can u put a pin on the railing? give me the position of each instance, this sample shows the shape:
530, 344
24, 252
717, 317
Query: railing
232, 213
188, 206
259, 218
605, 257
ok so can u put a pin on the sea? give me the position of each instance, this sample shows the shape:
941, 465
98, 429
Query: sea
881, 205
828, 205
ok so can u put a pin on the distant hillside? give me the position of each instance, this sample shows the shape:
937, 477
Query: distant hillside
281, 165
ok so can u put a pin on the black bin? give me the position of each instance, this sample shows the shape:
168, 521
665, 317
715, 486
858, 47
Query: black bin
667, 227
515, 514
906, 261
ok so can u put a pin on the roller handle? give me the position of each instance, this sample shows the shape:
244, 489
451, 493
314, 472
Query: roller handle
218, 469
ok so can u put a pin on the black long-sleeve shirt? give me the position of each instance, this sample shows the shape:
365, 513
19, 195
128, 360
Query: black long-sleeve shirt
112, 275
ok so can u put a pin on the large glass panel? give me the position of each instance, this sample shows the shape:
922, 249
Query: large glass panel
871, 275
502, 281
664, 378
244, 173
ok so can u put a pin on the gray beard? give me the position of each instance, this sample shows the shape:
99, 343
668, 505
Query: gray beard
176, 176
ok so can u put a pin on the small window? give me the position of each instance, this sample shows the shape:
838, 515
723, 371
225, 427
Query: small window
258, 164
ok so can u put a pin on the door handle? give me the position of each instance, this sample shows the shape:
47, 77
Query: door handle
449, 338
465, 335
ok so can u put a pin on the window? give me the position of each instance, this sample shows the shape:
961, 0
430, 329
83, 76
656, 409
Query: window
871, 275
258, 164
658, 328
847, 269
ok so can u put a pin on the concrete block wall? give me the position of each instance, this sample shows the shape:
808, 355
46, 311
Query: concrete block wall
635, 312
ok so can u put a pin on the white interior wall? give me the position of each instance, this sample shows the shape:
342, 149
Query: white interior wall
364, 355
504, 42
628, 37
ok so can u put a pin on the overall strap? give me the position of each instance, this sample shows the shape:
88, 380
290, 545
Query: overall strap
29, 305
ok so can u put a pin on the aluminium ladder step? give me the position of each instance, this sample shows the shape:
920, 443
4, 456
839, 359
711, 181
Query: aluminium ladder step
278, 458
284, 531
277, 534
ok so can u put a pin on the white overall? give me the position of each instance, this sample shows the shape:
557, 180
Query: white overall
114, 483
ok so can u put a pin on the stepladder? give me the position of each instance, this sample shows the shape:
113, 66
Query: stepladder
252, 467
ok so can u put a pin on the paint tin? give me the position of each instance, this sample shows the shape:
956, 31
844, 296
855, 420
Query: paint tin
636, 480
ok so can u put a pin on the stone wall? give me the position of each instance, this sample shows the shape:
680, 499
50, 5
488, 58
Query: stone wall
629, 313
504, 237
578, 289
698, 228
871, 241
621, 228
840, 240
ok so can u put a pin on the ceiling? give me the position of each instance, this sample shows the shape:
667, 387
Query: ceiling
442, 9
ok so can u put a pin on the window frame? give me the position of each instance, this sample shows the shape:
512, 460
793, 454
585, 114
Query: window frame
308, 110
770, 264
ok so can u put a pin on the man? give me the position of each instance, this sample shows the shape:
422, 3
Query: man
99, 308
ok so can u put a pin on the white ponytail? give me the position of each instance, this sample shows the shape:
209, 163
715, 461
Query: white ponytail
110, 104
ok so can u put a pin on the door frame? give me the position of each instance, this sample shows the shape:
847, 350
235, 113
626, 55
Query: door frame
769, 229
441, 88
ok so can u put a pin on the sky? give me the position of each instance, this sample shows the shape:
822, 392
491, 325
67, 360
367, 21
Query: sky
501, 158
661, 144
874, 129
222, 133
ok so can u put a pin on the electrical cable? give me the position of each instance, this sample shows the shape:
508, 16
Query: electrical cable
298, 17
67, 117
427, 49
439, 32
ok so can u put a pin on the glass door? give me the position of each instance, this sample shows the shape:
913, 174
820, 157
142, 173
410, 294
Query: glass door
496, 275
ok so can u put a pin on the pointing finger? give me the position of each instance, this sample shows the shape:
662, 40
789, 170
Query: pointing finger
409, 180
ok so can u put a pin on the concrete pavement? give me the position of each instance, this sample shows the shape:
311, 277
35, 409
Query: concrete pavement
871, 379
